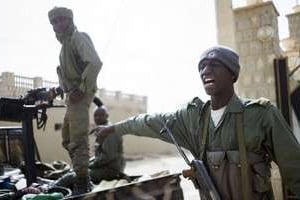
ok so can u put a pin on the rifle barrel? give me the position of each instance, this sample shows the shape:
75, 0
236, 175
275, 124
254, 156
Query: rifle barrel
166, 129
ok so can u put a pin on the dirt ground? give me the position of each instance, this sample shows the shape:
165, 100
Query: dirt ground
150, 164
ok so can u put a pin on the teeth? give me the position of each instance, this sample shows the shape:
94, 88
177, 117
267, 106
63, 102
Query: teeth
208, 80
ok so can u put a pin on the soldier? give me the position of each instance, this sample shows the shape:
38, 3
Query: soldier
236, 138
108, 163
77, 73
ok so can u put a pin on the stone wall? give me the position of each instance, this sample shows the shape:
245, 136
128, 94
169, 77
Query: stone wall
291, 44
257, 42
294, 26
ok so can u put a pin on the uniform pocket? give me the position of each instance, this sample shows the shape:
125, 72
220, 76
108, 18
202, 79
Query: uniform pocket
259, 172
233, 157
217, 164
261, 177
215, 159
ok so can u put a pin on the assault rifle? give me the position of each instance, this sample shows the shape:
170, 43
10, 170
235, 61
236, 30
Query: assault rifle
198, 172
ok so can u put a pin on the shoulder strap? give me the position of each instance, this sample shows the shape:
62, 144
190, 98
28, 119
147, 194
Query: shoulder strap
243, 157
205, 131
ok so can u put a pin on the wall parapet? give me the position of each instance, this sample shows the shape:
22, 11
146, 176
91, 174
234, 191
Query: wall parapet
116, 95
16, 85
17, 81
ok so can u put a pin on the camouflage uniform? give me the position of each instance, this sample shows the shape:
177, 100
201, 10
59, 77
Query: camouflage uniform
108, 162
79, 68
266, 134
77, 73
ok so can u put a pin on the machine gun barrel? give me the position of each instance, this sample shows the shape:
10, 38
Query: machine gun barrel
13, 109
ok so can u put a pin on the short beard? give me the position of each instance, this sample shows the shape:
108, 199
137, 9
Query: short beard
68, 32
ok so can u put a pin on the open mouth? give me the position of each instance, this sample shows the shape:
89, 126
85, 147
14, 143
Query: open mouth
208, 81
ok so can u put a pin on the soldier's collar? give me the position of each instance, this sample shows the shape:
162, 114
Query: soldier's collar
235, 105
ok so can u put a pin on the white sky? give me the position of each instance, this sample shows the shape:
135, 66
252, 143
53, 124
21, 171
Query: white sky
148, 47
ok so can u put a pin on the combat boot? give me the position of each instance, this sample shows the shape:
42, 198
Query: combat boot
82, 185
67, 180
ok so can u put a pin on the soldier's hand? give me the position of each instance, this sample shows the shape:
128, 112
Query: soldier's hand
52, 94
101, 132
188, 173
76, 95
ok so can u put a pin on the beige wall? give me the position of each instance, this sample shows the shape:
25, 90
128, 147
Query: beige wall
225, 23
120, 107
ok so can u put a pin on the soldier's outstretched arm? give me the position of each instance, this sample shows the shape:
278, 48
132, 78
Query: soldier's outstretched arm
101, 132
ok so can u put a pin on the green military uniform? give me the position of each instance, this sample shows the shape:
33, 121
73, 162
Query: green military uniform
79, 68
108, 163
266, 134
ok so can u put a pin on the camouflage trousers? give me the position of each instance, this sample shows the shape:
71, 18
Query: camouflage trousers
75, 134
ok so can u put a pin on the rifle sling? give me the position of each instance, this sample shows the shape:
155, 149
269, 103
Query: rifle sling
205, 132
243, 156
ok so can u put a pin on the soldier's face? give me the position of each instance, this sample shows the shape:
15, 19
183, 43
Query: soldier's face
60, 24
100, 117
216, 78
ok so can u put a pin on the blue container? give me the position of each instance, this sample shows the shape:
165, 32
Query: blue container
5, 182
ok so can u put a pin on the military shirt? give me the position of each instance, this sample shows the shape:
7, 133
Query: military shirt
79, 63
265, 133
110, 153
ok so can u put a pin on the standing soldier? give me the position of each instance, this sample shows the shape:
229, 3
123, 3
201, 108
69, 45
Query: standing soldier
77, 73
236, 138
